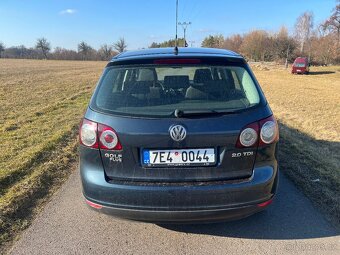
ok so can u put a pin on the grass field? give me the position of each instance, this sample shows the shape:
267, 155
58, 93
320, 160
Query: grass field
41, 103
308, 109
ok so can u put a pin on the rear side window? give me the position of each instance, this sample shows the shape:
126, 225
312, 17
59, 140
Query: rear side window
158, 90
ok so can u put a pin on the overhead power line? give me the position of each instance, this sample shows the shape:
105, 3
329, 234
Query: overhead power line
184, 26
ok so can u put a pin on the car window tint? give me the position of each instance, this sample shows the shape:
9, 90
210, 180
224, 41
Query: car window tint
150, 90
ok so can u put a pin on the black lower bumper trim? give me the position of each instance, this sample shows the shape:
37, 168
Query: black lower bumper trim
193, 216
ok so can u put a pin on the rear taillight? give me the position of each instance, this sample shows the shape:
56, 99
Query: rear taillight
259, 133
248, 136
108, 139
269, 132
88, 134
96, 135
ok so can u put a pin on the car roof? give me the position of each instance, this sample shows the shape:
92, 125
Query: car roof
170, 52
303, 58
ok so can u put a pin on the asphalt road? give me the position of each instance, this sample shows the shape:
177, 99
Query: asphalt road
290, 226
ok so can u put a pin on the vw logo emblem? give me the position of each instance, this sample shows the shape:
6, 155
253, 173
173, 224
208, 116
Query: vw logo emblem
178, 133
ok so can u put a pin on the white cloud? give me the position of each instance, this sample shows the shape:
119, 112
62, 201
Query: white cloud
68, 11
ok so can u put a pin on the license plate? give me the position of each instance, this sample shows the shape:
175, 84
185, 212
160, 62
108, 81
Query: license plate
298, 70
186, 157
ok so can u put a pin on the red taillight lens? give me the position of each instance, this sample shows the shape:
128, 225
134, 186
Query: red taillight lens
88, 134
259, 133
108, 139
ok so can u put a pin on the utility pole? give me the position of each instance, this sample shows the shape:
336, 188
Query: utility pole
184, 26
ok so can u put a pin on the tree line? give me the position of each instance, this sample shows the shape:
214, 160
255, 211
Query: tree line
320, 43
169, 43
42, 50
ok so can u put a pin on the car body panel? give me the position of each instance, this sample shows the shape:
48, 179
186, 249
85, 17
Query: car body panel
220, 133
177, 201
122, 185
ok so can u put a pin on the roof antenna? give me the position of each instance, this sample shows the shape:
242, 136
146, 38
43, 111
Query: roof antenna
176, 40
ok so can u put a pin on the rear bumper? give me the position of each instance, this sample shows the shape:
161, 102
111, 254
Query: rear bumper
181, 203
199, 216
301, 70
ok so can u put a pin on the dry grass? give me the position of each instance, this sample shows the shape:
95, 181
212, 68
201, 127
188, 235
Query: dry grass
308, 108
41, 103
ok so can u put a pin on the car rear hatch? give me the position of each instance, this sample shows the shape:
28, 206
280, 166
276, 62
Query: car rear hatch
218, 133
141, 104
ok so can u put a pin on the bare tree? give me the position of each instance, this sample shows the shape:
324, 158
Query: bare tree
303, 30
65, 54
43, 45
333, 25
233, 43
2, 48
120, 45
283, 46
257, 45
324, 48
84, 49
105, 52
23, 50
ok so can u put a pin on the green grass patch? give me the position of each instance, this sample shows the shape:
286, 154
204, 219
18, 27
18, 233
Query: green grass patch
41, 104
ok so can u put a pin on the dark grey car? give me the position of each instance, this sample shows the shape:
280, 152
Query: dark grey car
183, 136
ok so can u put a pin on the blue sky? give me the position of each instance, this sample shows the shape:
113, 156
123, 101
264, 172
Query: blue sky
67, 22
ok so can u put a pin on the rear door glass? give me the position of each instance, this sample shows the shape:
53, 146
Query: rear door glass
151, 90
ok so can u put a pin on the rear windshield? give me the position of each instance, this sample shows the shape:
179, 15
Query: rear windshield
300, 64
152, 91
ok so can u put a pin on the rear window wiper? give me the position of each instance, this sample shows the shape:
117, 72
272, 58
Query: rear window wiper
197, 113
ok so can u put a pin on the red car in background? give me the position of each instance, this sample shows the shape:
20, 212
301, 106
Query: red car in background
300, 66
